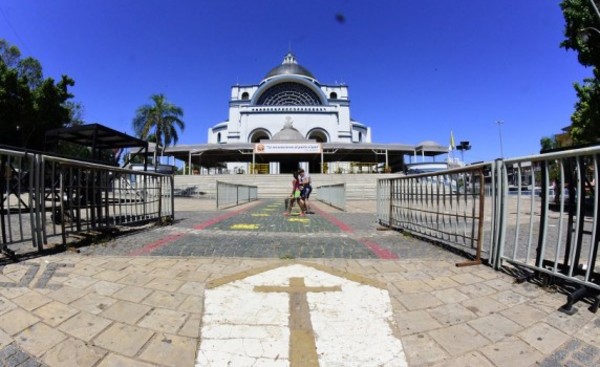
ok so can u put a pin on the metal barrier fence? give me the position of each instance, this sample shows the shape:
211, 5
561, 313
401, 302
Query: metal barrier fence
229, 194
541, 215
46, 197
333, 195
446, 207
554, 231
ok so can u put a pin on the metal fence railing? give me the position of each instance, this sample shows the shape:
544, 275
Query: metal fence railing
333, 195
229, 194
46, 198
447, 206
553, 231
541, 214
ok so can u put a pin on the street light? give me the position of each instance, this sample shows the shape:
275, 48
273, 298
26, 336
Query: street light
500, 123
584, 33
462, 146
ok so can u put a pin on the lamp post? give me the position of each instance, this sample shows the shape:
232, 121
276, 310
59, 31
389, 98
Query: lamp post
462, 146
500, 123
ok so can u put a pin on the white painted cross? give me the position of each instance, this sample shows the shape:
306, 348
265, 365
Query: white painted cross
271, 318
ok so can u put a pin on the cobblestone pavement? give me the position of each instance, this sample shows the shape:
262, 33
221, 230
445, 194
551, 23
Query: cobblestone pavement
261, 230
139, 300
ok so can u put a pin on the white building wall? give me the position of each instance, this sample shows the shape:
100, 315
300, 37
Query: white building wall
334, 119
273, 122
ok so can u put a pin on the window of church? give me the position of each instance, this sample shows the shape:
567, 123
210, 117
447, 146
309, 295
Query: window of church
333, 95
289, 94
245, 95
218, 137
319, 135
257, 135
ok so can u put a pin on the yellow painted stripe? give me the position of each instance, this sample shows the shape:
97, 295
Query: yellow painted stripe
244, 226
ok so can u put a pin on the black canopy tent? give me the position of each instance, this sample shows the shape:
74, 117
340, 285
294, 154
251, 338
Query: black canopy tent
97, 137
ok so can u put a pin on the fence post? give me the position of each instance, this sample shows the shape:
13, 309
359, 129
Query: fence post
392, 193
38, 198
498, 213
217, 190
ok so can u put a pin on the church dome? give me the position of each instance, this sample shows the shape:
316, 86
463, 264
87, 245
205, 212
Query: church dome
288, 133
289, 66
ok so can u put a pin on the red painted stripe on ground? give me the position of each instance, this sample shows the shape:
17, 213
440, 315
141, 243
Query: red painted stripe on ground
379, 251
156, 244
333, 220
220, 218
173, 237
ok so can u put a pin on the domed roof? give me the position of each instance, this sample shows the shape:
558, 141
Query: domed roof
288, 132
289, 66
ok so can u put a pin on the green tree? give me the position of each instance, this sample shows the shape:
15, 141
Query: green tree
29, 104
585, 121
582, 34
548, 143
159, 120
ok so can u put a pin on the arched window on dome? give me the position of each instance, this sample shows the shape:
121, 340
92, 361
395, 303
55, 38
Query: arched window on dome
333, 95
319, 135
360, 137
257, 135
245, 96
289, 94
218, 137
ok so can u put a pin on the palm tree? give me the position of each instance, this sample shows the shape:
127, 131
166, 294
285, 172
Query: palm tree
159, 120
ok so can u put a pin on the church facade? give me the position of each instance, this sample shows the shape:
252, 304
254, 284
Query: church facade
290, 120
289, 93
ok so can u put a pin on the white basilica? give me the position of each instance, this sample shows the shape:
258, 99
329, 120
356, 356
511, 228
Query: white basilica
289, 93
291, 120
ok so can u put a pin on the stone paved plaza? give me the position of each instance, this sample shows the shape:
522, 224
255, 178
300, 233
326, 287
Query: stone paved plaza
212, 289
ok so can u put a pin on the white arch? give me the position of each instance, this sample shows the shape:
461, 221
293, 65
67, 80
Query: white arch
319, 132
258, 133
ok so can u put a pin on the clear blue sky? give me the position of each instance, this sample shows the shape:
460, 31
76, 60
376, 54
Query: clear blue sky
416, 69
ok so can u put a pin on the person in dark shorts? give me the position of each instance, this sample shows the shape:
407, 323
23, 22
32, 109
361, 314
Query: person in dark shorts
306, 189
296, 196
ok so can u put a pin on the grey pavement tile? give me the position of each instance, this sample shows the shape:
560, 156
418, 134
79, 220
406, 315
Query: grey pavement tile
452, 314
524, 314
512, 352
118, 309
421, 350
73, 352
12, 356
495, 327
543, 337
459, 339
573, 353
85, 326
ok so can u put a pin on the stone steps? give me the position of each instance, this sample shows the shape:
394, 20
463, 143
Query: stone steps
358, 186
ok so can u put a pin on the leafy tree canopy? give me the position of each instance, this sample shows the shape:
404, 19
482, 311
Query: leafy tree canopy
29, 104
582, 34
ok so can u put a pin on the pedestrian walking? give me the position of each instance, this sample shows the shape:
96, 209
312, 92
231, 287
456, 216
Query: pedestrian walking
305, 181
295, 196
